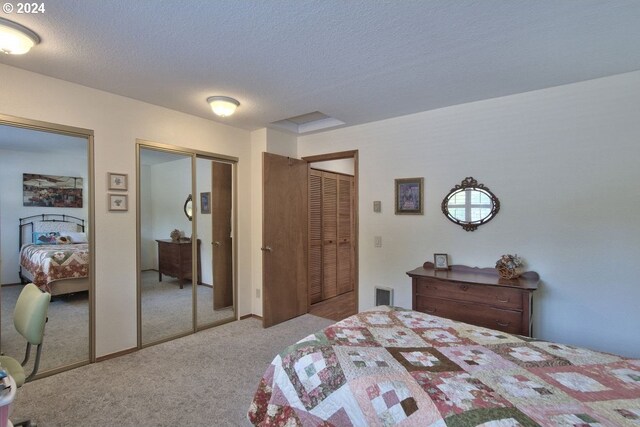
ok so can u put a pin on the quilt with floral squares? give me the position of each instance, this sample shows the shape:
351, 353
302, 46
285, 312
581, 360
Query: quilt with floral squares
48, 263
390, 366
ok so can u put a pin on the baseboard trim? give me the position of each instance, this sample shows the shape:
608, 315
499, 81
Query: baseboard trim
116, 354
247, 316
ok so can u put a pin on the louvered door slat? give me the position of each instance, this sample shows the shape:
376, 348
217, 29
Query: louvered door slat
344, 208
315, 273
329, 234
344, 270
329, 270
315, 206
329, 207
315, 236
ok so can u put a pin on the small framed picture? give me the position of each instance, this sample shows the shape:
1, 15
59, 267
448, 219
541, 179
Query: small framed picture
440, 261
118, 181
409, 196
118, 202
205, 203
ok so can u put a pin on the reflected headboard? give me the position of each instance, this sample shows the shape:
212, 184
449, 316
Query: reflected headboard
47, 222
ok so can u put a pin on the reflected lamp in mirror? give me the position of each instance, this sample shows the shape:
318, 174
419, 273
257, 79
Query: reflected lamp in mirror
470, 204
188, 207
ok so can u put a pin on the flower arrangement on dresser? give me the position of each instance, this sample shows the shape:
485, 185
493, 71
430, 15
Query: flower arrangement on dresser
510, 266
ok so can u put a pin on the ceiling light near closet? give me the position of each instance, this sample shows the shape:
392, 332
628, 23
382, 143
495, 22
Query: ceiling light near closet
16, 39
223, 106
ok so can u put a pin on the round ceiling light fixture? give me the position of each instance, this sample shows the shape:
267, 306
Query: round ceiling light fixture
16, 39
223, 106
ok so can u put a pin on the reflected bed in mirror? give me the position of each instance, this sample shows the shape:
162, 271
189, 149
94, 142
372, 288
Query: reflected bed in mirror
470, 204
46, 237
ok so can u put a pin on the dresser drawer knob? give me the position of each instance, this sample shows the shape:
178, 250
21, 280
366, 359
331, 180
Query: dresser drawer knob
502, 300
464, 287
503, 324
430, 310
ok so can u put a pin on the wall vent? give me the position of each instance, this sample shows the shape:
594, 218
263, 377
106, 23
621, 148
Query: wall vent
384, 296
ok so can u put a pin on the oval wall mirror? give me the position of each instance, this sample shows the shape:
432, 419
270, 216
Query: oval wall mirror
188, 207
470, 204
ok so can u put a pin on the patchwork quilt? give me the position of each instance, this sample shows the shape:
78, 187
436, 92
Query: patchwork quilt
48, 263
392, 366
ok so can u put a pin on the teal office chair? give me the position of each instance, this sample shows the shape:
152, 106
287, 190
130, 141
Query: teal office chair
29, 318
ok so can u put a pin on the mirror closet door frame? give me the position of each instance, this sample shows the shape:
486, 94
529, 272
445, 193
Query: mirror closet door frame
142, 144
88, 134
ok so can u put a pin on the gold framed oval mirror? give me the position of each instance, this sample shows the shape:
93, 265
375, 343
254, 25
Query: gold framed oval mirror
470, 204
188, 207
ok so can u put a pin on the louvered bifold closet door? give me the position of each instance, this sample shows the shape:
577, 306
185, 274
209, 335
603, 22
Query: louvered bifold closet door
345, 235
315, 236
329, 234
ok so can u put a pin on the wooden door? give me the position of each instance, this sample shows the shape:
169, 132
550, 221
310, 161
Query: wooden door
284, 239
345, 259
221, 174
315, 236
331, 235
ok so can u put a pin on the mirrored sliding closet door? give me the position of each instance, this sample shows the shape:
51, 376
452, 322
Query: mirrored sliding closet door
215, 291
186, 242
45, 229
166, 245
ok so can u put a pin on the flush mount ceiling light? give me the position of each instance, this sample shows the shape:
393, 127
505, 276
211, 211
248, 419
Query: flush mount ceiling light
223, 106
16, 39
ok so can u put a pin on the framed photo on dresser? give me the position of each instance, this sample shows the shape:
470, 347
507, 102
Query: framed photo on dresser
440, 262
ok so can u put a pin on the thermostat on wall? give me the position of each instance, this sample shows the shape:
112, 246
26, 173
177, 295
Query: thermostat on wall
377, 206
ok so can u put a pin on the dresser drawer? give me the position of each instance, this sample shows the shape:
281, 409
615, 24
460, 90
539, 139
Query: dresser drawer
168, 256
480, 315
502, 297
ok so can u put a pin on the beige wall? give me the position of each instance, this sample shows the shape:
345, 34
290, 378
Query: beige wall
117, 122
564, 164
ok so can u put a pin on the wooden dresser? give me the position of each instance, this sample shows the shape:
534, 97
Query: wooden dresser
476, 295
174, 259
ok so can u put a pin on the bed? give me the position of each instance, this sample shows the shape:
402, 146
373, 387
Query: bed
392, 366
54, 253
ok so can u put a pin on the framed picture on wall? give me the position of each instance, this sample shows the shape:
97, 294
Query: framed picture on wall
409, 196
54, 191
117, 181
118, 203
205, 203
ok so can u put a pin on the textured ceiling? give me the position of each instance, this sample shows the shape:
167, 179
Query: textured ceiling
357, 61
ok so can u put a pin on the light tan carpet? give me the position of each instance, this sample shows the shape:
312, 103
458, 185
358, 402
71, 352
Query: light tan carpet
166, 311
66, 338
204, 379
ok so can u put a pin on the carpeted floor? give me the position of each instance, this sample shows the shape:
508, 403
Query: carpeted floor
204, 379
66, 333
166, 311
